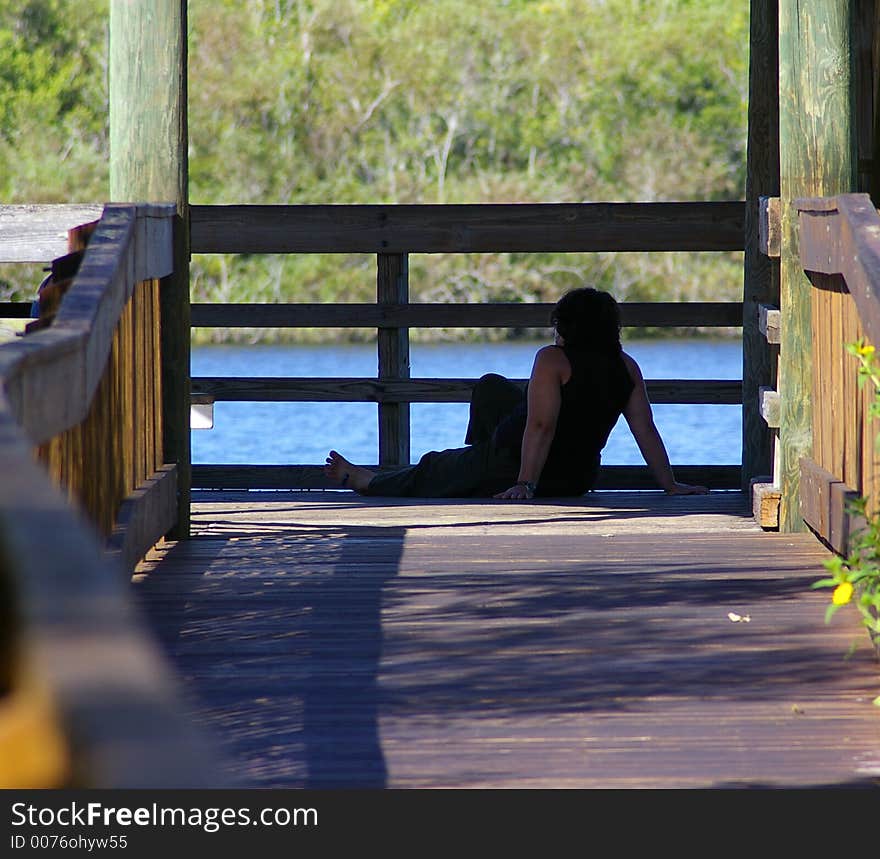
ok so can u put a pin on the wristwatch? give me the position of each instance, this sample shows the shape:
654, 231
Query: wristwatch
530, 487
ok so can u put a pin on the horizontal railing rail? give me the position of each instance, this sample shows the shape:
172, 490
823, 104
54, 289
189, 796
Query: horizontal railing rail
393, 233
280, 477
696, 314
86, 699
327, 389
469, 228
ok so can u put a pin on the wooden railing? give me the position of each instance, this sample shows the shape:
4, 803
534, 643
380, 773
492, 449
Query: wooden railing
85, 697
840, 251
391, 233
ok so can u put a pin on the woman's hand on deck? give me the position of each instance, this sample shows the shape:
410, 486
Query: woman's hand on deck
519, 492
687, 489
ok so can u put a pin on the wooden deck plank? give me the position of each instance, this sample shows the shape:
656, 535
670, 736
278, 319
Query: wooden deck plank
333, 641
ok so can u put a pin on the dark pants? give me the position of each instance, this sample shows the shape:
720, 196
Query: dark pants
478, 470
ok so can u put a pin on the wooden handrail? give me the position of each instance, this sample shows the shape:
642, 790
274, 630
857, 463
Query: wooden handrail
839, 241
841, 236
51, 376
469, 228
81, 664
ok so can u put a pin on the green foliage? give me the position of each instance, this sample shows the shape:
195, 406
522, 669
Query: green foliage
399, 101
857, 576
53, 104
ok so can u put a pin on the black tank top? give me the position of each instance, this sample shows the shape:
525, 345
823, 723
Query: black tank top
592, 402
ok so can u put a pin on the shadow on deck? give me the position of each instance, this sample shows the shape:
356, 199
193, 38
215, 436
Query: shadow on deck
327, 640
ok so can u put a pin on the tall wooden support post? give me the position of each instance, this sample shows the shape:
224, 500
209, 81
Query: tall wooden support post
392, 287
866, 66
816, 159
874, 180
148, 163
760, 273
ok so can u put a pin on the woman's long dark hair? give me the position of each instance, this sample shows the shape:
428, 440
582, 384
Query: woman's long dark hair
588, 320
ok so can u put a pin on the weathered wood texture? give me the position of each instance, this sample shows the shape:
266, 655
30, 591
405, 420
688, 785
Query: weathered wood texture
97, 414
51, 376
472, 228
769, 320
765, 502
825, 506
331, 643
116, 448
147, 82
145, 513
816, 159
760, 273
80, 668
696, 314
149, 163
769, 226
840, 250
38, 233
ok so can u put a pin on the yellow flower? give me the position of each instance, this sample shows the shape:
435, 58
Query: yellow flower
865, 349
842, 594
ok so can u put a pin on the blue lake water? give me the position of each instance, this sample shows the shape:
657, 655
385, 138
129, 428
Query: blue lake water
302, 433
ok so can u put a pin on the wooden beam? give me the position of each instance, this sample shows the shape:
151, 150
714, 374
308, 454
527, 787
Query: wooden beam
52, 374
38, 233
147, 79
149, 163
420, 390
816, 159
392, 287
760, 273
697, 314
769, 226
144, 518
841, 235
765, 503
207, 476
825, 500
770, 407
769, 321
470, 228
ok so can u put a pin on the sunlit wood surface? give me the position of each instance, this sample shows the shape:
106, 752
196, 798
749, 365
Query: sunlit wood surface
326, 640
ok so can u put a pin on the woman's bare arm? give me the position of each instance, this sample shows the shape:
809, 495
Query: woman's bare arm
549, 372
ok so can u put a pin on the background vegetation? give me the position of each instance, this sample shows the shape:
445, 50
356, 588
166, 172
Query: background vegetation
405, 101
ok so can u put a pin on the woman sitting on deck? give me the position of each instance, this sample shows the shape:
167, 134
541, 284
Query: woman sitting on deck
547, 442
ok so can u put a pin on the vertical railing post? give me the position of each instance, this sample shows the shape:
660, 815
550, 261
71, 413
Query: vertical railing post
392, 287
760, 273
149, 164
816, 160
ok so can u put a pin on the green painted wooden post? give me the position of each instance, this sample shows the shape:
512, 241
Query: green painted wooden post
148, 163
760, 274
816, 159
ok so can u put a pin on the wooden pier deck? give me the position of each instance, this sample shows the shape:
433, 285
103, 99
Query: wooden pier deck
326, 640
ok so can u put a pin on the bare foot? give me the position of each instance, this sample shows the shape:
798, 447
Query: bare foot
347, 474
